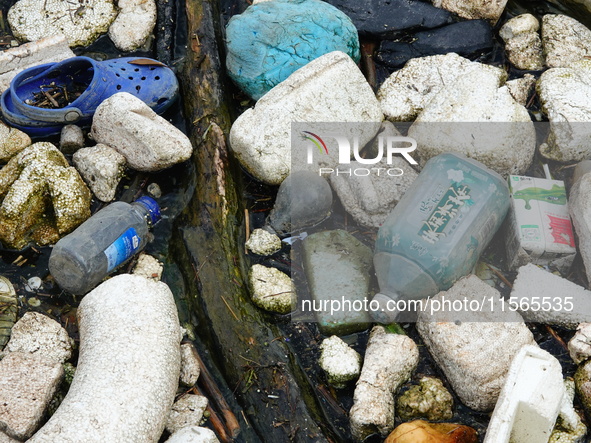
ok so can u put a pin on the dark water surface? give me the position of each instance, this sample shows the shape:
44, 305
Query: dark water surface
177, 186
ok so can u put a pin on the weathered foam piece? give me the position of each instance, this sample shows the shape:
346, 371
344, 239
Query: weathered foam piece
521, 24
387, 18
328, 89
569, 427
525, 51
407, 91
429, 399
36, 333
195, 434
467, 38
148, 266
476, 377
25, 182
340, 362
530, 399
70, 196
390, 360
565, 40
582, 379
269, 41
134, 24
27, 384
50, 49
12, 141
190, 368
521, 88
369, 199
186, 411
147, 141
9, 302
128, 367
579, 347
337, 268
262, 242
272, 289
562, 302
6, 439
81, 23
71, 139
476, 116
565, 96
101, 167
579, 206
522, 42
472, 9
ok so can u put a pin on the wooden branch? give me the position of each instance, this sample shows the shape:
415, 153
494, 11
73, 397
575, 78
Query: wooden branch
211, 239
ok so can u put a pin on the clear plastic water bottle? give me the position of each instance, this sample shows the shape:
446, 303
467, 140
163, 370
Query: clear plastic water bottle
109, 238
436, 233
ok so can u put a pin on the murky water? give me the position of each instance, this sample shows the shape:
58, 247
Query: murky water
177, 186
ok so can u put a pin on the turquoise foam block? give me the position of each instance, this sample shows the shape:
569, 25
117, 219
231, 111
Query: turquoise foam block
272, 39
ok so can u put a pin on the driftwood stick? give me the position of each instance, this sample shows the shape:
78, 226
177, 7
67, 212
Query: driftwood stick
209, 385
216, 423
369, 67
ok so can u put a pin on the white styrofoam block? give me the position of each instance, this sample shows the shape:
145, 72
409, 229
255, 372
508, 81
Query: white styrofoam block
565, 40
564, 93
390, 360
474, 355
148, 141
46, 50
330, 88
530, 399
547, 298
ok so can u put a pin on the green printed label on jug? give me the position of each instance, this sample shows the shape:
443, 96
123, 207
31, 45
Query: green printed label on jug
122, 248
448, 209
556, 195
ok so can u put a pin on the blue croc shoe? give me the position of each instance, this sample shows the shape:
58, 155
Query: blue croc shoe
44, 98
32, 127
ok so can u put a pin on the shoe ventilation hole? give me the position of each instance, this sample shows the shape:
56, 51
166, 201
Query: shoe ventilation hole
157, 78
118, 87
137, 88
130, 77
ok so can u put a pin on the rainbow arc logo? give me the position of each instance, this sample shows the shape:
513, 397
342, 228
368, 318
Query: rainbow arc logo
316, 140
349, 146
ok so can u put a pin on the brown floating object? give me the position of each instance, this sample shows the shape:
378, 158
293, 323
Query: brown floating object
145, 62
420, 431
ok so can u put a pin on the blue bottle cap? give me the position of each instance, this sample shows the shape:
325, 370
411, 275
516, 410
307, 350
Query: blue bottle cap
152, 206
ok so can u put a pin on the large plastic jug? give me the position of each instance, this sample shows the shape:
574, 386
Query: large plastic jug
436, 233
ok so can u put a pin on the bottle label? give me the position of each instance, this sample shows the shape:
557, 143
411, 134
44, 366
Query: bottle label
122, 248
448, 209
